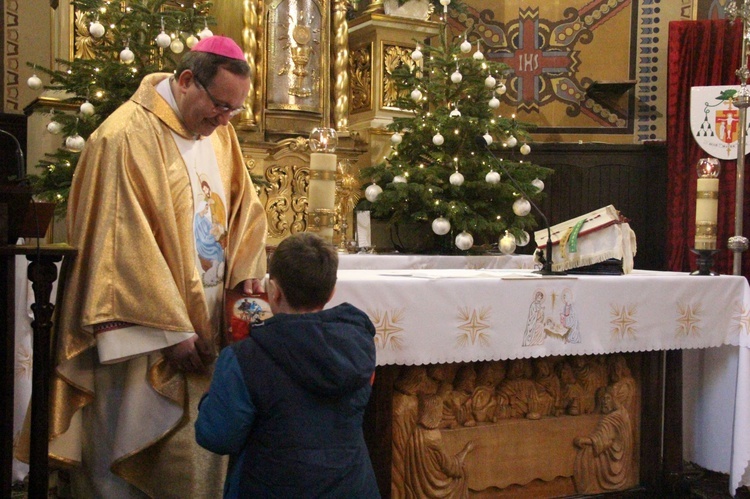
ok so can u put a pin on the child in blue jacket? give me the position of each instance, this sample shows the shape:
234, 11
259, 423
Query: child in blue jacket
287, 402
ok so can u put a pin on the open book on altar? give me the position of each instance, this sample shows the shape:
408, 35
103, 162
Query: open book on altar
598, 242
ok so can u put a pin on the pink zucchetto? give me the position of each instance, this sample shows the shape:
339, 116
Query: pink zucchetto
219, 45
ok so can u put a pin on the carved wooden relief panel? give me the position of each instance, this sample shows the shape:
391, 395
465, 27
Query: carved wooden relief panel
540, 427
360, 79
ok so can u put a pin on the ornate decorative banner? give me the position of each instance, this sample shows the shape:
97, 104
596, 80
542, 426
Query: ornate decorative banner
714, 119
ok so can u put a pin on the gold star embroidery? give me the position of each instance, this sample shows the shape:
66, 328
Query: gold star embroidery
623, 321
741, 319
688, 320
473, 323
388, 332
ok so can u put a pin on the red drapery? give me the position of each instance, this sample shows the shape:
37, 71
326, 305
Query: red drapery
701, 53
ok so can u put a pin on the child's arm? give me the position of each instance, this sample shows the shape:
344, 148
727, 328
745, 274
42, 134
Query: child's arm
226, 412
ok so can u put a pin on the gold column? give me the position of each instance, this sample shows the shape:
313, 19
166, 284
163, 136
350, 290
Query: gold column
341, 67
250, 44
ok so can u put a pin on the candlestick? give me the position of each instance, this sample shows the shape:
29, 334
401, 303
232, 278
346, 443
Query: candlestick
707, 203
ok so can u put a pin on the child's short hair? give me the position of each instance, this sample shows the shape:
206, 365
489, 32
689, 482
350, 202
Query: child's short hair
304, 265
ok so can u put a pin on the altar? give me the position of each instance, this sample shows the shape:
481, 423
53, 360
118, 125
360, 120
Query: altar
432, 316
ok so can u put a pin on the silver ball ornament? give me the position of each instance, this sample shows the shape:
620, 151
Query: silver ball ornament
490, 82
417, 55
163, 40
487, 138
445, 3
127, 56
465, 46
456, 77
478, 56
205, 33
87, 109
75, 143
441, 226
492, 177
416, 95
538, 184
456, 179
455, 113
372, 192
494, 103
396, 138
399, 179
438, 139
34, 82
525, 149
524, 240
501, 89
464, 241
507, 244
512, 141
521, 207
96, 29
54, 127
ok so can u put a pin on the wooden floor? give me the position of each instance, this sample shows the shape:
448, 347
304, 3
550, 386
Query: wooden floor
696, 483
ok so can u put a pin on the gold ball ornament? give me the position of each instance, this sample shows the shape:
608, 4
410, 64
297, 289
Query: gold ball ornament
177, 46
507, 244
191, 41
525, 149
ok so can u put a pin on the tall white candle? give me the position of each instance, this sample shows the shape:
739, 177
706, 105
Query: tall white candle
322, 190
706, 211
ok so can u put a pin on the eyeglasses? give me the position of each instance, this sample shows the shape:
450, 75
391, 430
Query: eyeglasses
222, 108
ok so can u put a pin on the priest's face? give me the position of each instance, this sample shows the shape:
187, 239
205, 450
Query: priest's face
206, 107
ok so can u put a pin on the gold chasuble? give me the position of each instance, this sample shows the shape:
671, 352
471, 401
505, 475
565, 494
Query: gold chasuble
134, 205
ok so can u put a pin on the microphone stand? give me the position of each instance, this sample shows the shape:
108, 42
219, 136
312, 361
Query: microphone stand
546, 260
20, 163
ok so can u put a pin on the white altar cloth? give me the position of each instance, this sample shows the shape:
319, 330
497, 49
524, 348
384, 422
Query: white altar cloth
429, 316
366, 261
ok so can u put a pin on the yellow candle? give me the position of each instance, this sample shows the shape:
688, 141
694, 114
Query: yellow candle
706, 210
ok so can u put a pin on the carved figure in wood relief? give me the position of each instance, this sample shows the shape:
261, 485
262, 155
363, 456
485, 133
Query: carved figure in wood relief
624, 387
591, 376
411, 382
484, 398
571, 391
534, 333
517, 393
430, 471
604, 461
458, 410
548, 387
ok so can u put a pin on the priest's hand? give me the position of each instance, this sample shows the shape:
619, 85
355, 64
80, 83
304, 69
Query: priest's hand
190, 355
252, 286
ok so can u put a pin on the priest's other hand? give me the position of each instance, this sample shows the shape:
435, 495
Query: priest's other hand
190, 355
252, 286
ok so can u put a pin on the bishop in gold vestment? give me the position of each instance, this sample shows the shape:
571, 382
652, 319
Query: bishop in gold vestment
131, 216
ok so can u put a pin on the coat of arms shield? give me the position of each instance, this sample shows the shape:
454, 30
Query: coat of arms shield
715, 119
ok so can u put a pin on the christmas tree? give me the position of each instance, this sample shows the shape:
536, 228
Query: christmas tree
449, 157
117, 42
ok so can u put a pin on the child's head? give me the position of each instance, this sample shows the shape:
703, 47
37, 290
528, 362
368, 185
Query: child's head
304, 267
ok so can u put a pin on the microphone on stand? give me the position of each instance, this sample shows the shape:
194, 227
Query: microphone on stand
547, 260
20, 163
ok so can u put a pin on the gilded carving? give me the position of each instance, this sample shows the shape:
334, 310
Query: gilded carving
360, 80
286, 197
393, 57
494, 424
